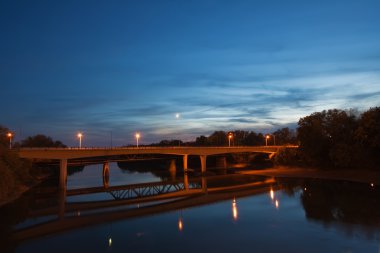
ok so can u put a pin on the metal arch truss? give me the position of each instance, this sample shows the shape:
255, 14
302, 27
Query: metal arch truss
148, 191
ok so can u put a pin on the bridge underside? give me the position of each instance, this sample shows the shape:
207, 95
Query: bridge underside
69, 154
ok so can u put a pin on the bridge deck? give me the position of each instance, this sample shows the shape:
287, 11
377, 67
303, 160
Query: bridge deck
71, 153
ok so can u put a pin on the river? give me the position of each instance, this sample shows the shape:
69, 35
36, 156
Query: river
223, 212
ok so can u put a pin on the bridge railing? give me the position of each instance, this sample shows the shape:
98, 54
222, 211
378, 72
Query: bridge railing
156, 147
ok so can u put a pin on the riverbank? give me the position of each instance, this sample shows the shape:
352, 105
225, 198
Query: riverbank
14, 195
361, 176
21, 189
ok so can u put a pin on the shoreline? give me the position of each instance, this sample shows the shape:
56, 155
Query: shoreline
358, 176
21, 189
15, 195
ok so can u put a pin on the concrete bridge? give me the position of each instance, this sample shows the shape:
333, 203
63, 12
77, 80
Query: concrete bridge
64, 154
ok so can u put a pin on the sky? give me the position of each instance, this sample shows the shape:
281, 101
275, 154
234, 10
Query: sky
112, 68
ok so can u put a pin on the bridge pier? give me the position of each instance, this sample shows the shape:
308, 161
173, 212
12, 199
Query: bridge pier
62, 204
106, 174
186, 181
185, 163
204, 184
203, 163
62, 174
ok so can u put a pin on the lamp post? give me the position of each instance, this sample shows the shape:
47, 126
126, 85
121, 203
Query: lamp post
9, 135
137, 135
80, 135
266, 139
177, 116
229, 139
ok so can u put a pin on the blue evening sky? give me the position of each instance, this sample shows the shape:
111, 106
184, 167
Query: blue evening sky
118, 67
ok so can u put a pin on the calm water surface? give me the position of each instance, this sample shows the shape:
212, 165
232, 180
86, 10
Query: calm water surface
279, 216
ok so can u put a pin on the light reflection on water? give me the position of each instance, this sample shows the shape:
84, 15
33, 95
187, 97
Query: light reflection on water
289, 216
260, 228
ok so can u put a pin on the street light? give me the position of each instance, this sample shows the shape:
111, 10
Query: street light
9, 135
266, 140
267, 137
177, 116
137, 139
80, 135
229, 139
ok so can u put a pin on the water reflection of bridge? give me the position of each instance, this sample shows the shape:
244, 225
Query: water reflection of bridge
141, 190
135, 201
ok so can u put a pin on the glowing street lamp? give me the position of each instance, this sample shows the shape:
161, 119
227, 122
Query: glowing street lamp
137, 139
266, 139
177, 116
10, 135
80, 135
229, 139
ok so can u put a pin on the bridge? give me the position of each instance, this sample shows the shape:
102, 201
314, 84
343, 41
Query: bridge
64, 154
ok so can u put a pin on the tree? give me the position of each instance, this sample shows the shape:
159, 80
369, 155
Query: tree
239, 137
368, 134
337, 138
201, 141
40, 140
218, 138
4, 140
14, 172
285, 136
313, 138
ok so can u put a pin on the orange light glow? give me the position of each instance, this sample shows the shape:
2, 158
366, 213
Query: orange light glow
277, 204
180, 224
9, 135
234, 210
80, 135
271, 194
137, 135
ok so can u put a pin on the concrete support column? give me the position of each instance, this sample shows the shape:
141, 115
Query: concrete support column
204, 184
185, 163
106, 174
62, 174
62, 204
203, 163
186, 181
